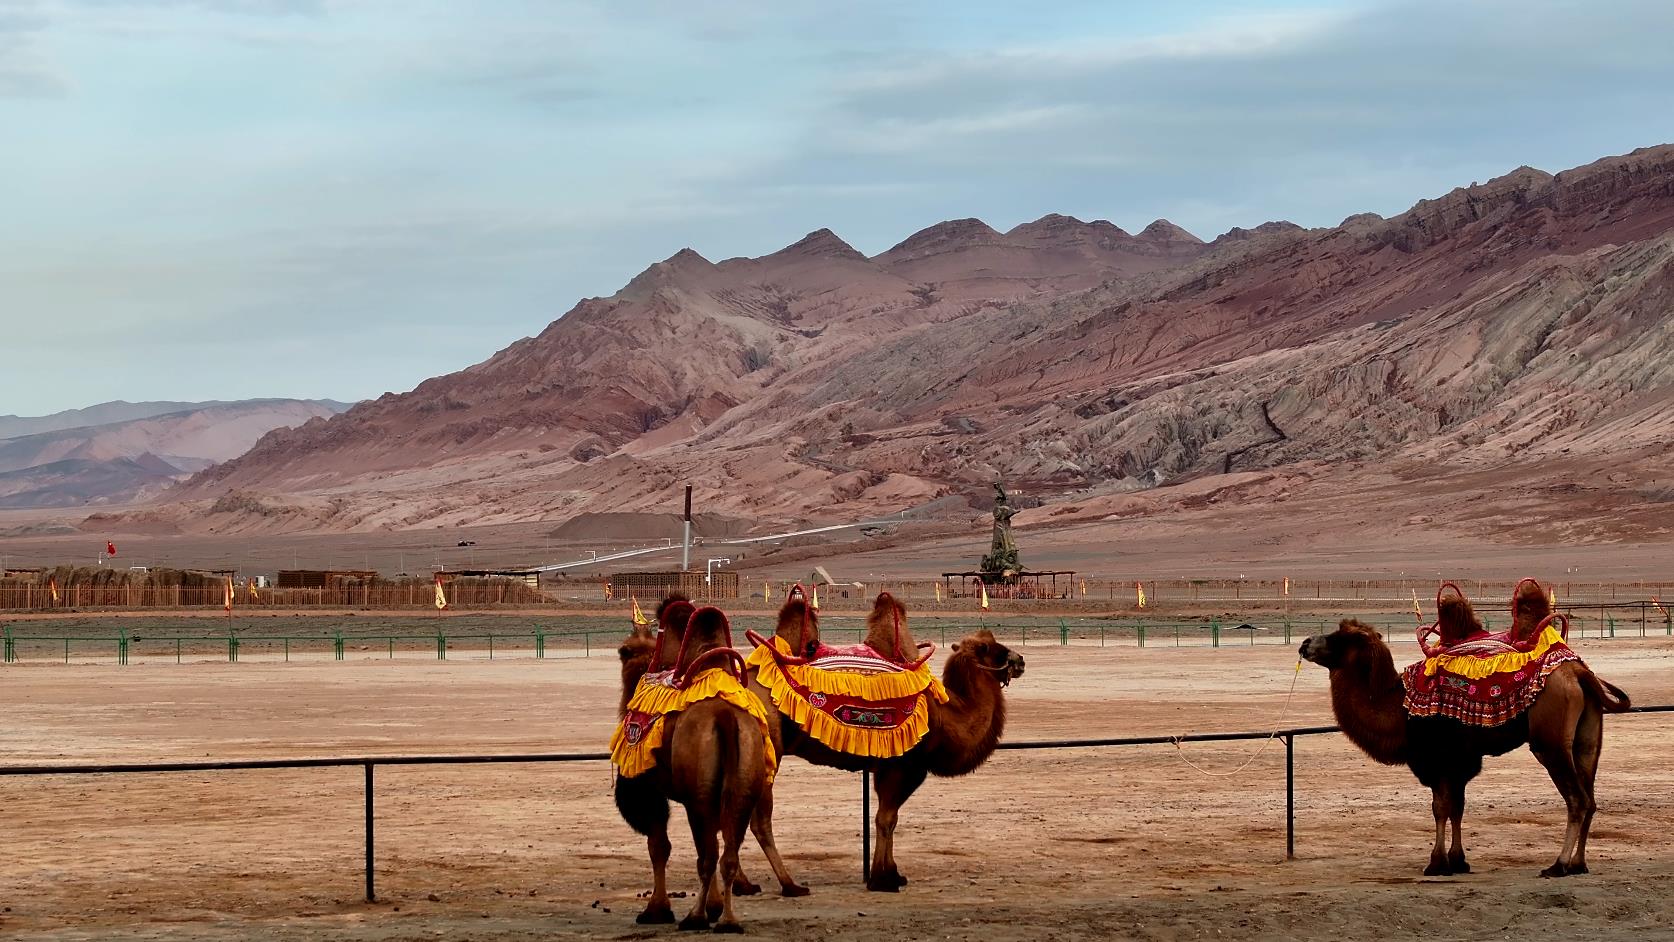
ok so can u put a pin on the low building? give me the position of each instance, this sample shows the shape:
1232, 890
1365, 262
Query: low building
651, 586
322, 578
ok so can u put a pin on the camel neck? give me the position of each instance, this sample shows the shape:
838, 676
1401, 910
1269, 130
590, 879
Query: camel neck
966, 728
1368, 701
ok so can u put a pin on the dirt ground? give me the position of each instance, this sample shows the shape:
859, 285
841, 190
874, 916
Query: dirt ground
1107, 843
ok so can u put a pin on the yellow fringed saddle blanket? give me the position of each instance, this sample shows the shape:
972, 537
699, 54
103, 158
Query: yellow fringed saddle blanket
860, 705
633, 746
1485, 681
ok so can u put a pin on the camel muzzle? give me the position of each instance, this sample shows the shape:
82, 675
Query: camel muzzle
1311, 649
1014, 665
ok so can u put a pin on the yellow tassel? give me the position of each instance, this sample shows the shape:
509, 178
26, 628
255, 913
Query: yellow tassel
633, 759
1476, 668
871, 743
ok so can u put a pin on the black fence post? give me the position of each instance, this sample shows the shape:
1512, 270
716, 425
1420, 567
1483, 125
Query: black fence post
370, 896
866, 825
1290, 796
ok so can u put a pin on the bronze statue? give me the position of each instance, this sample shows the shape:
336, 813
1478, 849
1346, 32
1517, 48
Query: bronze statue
1001, 561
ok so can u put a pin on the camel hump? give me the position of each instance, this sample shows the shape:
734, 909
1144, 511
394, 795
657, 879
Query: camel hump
1530, 605
887, 631
1455, 619
708, 628
799, 624
669, 600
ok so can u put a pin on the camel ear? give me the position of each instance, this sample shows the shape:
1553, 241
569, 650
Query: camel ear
956, 647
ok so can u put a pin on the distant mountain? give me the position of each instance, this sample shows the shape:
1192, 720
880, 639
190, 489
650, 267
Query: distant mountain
1525, 320
107, 413
72, 465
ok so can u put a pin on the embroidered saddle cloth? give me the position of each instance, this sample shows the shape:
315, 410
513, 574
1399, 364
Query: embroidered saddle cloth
1485, 681
850, 699
633, 746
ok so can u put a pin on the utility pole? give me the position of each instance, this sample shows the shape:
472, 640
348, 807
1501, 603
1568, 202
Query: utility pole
686, 547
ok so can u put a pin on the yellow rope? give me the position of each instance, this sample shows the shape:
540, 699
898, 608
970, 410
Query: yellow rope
1260, 747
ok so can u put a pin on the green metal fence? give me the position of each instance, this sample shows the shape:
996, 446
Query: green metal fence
538, 642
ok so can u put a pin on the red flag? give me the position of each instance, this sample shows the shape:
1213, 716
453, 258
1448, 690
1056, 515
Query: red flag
110, 549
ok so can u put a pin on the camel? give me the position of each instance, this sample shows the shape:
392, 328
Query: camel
1564, 728
712, 760
672, 615
963, 732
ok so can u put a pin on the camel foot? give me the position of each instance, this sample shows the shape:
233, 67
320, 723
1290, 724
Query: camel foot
886, 883
743, 887
794, 890
655, 916
1438, 868
1561, 869
729, 927
1458, 865
693, 922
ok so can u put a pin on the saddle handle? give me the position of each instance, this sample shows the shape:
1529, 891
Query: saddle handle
1456, 591
734, 665
1424, 632
1554, 617
767, 643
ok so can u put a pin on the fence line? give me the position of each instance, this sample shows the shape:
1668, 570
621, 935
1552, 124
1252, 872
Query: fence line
92, 587
1213, 632
369, 763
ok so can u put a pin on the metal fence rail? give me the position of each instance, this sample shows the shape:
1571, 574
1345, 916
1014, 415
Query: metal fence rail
1639, 619
369, 763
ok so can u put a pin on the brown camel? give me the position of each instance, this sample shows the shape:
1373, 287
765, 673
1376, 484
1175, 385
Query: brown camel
963, 732
1564, 728
672, 614
712, 760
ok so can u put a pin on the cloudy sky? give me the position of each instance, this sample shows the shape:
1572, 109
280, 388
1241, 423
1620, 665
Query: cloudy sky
334, 198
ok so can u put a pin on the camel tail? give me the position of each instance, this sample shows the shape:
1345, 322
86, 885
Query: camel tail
1611, 698
739, 782
642, 803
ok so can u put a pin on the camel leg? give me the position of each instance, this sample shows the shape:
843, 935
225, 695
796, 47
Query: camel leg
735, 828
1559, 759
1456, 855
761, 824
1589, 742
895, 782
1441, 805
708, 856
657, 910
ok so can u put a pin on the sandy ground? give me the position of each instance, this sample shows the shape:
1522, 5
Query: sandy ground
1108, 843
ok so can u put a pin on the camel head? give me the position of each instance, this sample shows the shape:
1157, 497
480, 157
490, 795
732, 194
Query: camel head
1529, 607
799, 624
1353, 643
886, 629
981, 650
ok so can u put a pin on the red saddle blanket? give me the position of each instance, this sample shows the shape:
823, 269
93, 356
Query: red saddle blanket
1484, 681
850, 699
